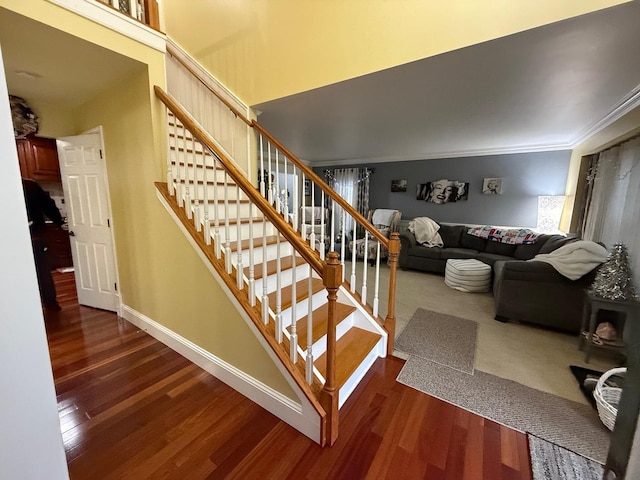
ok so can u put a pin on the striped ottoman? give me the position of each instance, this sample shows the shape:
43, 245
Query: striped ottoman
467, 275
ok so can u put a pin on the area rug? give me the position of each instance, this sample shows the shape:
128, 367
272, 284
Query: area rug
572, 425
440, 338
551, 461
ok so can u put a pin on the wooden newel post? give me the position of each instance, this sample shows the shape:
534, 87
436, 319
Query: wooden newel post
390, 320
332, 273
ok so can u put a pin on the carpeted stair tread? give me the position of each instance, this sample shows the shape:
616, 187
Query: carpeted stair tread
302, 291
285, 264
320, 317
351, 349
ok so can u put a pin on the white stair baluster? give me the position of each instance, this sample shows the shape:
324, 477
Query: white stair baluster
279, 328
217, 242
270, 178
312, 235
227, 230
293, 338
352, 283
365, 264
252, 279
332, 246
262, 171
276, 188
377, 284
309, 358
205, 181
303, 225
196, 197
295, 204
343, 240
239, 273
322, 231
187, 193
180, 158
170, 184
285, 195
265, 295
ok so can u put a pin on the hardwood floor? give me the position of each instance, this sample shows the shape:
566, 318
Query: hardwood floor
132, 408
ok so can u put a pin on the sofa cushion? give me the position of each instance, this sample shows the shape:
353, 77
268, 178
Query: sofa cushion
446, 253
473, 243
451, 235
527, 252
499, 248
554, 242
425, 252
491, 258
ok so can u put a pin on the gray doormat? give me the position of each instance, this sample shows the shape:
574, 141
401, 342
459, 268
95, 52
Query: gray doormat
552, 462
569, 424
440, 338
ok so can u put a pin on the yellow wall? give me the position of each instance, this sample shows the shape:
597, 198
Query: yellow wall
160, 274
266, 49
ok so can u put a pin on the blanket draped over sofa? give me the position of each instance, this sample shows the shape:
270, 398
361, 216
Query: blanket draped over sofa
528, 285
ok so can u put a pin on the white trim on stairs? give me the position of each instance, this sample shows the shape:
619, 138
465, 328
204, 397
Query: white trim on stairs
303, 418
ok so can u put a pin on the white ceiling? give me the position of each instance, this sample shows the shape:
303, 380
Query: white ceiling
69, 70
543, 89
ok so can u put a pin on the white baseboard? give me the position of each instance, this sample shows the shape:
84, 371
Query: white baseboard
302, 419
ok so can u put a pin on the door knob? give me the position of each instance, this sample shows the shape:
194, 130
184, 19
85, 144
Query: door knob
71, 234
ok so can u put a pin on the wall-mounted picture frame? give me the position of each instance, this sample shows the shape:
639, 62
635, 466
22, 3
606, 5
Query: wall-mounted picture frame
399, 185
444, 191
307, 188
421, 191
492, 186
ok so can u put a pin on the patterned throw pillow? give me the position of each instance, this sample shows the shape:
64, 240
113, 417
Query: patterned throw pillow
512, 236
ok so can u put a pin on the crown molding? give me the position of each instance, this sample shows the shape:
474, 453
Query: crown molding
624, 106
551, 147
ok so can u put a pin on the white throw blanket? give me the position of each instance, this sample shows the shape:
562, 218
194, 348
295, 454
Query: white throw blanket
382, 216
426, 232
574, 259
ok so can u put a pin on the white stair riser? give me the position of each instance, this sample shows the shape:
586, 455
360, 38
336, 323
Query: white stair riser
232, 208
258, 253
302, 272
244, 230
181, 172
302, 308
320, 346
231, 193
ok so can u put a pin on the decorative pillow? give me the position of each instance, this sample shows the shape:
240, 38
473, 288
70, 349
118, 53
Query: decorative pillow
512, 236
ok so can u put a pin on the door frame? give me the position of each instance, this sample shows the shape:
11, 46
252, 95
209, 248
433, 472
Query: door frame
100, 131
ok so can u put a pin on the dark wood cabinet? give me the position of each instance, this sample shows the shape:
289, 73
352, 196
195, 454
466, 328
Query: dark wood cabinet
38, 158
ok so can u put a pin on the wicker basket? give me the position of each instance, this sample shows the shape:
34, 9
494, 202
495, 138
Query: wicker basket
607, 398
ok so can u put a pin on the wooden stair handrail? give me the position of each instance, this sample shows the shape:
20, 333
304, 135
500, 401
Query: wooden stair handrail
240, 179
325, 188
307, 171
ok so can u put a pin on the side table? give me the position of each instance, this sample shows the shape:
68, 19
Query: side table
592, 305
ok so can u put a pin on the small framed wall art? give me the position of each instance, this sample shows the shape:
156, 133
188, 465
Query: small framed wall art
492, 186
399, 185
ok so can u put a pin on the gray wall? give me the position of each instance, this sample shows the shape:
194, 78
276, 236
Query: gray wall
525, 177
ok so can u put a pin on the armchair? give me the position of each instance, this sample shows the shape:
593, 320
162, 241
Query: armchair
311, 221
385, 221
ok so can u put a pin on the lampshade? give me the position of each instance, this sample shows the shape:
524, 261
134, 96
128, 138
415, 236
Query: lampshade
549, 212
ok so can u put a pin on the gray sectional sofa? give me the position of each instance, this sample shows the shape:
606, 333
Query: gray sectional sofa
526, 291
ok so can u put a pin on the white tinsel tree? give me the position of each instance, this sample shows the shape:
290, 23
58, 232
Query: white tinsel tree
614, 280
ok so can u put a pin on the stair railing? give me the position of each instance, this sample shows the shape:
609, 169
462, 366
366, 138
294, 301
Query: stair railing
322, 234
145, 11
192, 150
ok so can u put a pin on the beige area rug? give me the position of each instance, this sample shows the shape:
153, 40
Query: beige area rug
440, 338
571, 425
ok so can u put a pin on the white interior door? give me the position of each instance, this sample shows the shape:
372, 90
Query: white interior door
84, 182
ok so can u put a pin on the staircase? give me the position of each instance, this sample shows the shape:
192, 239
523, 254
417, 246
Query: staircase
320, 327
